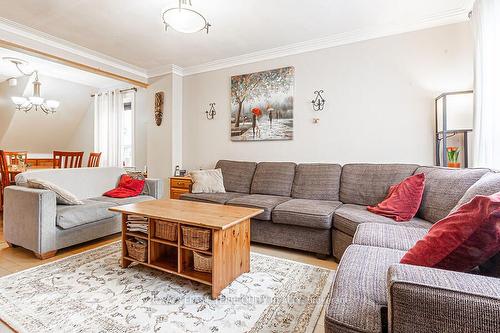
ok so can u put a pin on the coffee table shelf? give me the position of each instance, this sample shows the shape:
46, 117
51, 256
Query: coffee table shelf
137, 235
162, 241
229, 236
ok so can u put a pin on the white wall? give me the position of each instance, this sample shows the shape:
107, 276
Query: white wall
380, 102
163, 143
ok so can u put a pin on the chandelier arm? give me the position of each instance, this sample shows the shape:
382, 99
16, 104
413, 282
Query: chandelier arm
25, 74
25, 108
45, 109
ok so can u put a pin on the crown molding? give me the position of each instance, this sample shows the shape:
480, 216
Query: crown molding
448, 17
165, 70
36, 39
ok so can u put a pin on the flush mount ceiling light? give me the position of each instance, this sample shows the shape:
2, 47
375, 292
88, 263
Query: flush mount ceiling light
184, 18
35, 101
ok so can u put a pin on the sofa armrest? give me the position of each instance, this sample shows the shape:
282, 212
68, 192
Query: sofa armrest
154, 187
422, 299
30, 218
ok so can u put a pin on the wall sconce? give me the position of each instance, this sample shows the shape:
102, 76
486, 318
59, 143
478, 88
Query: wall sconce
211, 113
318, 102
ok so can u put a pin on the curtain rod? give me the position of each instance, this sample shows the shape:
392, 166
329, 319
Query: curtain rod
122, 91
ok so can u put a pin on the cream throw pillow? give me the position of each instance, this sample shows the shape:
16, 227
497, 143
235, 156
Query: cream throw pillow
207, 181
63, 197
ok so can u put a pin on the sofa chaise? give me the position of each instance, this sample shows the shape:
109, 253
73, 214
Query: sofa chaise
33, 219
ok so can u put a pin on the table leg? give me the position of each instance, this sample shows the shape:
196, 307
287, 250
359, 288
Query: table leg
124, 263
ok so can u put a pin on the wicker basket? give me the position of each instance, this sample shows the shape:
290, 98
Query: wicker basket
166, 230
137, 250
196, 238
202, 262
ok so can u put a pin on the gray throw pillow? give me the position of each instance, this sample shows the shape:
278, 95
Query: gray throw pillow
207, 181
63, 196
487, 185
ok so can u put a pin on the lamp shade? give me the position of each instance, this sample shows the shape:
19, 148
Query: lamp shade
52, 104
19, 100
184, 20
36, 100
459, 111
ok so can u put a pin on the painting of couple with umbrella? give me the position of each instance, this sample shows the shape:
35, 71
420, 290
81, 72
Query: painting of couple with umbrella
262, 105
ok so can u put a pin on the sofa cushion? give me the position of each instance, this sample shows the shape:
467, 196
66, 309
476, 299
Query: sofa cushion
444, 188
68, 217
124, 201
237, 175
368, 184
463, 240
265, 202
358, 299
403, 200
317, 182
273, 178
389, 236
487, 185
218, 198
348, 217
316, 214
207, 181
63, 196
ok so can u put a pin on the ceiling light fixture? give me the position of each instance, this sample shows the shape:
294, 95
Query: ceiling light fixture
35, 101
184, 19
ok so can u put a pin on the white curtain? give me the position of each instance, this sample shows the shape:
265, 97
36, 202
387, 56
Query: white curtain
486, 25
108, 110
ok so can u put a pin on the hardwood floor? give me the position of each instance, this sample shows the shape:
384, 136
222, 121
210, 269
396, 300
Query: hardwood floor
17, 259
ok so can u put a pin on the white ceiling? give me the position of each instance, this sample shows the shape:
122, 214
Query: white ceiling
131, 31
45, 67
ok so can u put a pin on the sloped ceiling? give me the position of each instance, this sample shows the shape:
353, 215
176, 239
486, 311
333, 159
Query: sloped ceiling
35, 131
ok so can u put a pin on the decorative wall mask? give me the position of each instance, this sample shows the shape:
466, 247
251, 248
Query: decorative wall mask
159, 97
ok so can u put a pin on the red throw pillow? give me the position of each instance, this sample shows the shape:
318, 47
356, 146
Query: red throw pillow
403, 200
127, 187
463, 240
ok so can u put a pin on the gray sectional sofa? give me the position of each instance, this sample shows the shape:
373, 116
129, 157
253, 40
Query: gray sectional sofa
321, 208
33, 219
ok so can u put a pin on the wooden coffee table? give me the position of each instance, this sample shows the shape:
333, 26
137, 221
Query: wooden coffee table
230, 239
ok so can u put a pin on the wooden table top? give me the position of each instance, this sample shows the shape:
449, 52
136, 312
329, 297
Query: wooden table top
194, 213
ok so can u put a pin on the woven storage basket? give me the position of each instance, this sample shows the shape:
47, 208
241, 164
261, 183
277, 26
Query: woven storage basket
166, 230
202, 262
137, 251
196, 238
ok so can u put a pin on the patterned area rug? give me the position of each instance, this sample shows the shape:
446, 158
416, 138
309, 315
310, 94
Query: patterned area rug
89, 292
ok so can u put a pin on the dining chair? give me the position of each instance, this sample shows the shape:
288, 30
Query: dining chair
13, 157
67, 159
94, 159
4, 174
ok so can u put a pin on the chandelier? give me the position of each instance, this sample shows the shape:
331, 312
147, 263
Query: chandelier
184, 19
35, 101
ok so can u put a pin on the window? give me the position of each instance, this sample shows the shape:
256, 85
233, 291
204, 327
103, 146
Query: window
127, 131
114, 127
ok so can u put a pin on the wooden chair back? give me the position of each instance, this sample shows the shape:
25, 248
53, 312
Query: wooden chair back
4, 170
94, 159
13, 157
67, 159
4, 174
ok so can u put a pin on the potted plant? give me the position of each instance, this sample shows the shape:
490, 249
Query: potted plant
453, 154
